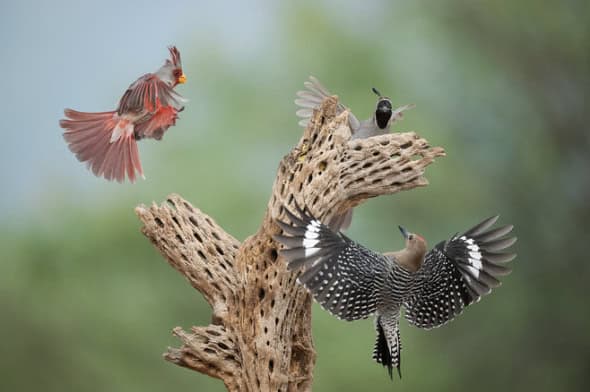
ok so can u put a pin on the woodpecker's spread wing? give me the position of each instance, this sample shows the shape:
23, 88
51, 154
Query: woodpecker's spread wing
311, 99
343, 276
147, 95
458, 272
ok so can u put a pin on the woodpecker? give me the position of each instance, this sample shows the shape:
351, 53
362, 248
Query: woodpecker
378, 124
433, 287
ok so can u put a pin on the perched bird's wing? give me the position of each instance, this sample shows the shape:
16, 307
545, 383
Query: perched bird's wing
459, 272
147, 95
343, 276
312, 97
398, 113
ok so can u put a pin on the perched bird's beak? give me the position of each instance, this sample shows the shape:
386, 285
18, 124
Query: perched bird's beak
182, 79
404, 232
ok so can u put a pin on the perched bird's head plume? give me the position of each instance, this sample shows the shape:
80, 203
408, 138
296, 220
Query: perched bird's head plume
171, 72
383, 111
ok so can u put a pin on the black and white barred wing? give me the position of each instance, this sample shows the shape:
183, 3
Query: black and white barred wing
344, 277
458, 272
312, 97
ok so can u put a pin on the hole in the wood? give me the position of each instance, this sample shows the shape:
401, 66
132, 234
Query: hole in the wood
184, 257
367, 165
265, 330
358, 147
276, 321
271, 365
376, 181
179, 238
230, 358
212, 332
175, 219
188, 207
309, 178
209, 274
272, 303
261, 293
261, 312
406, 145
407, 169
395, 155
323, 165
197, 237
222, 346
215, 235
219, 250
268, 342
375, 153
273, 254
209, 350
384, 142
201, 254
216, 287
159, 222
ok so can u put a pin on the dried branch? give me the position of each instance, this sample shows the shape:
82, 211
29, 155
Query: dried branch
260, 337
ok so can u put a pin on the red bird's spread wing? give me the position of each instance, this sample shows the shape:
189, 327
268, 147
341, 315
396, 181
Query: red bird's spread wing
157, 124
147, 95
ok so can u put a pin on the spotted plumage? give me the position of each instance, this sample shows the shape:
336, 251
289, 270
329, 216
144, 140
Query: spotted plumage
353, 282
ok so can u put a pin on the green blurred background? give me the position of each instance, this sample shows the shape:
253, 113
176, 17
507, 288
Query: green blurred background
88, 305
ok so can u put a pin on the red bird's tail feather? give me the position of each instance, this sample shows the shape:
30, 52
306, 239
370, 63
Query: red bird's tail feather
89, 137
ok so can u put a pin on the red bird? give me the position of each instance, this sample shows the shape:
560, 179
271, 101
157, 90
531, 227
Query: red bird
107, 141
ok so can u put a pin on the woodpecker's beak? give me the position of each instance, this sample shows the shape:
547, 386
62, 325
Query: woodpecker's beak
404, 232
377, 93
182, 79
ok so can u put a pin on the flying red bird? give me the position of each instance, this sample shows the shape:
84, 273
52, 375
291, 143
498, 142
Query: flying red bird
107, 141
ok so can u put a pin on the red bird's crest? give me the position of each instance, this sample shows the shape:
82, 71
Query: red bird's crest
175, 56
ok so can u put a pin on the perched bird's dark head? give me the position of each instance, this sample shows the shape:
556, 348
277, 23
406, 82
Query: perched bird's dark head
383, 111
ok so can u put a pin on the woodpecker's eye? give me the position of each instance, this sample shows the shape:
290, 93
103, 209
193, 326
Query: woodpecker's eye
177, 73
411, 237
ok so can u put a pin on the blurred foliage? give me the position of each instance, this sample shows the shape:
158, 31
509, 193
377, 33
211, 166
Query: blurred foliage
87, 303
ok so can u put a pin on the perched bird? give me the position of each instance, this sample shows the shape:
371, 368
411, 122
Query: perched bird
353, 282
107, 141
378, 124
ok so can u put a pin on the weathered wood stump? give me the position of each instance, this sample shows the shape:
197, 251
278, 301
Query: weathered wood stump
260, 337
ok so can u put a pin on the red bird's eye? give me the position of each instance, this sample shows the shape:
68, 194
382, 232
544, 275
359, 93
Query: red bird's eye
177, 73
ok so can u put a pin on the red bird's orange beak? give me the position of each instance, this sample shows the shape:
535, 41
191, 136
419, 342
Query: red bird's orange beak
182, 79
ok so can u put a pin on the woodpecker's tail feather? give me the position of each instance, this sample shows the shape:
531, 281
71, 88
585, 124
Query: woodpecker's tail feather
104, 142
383, 354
